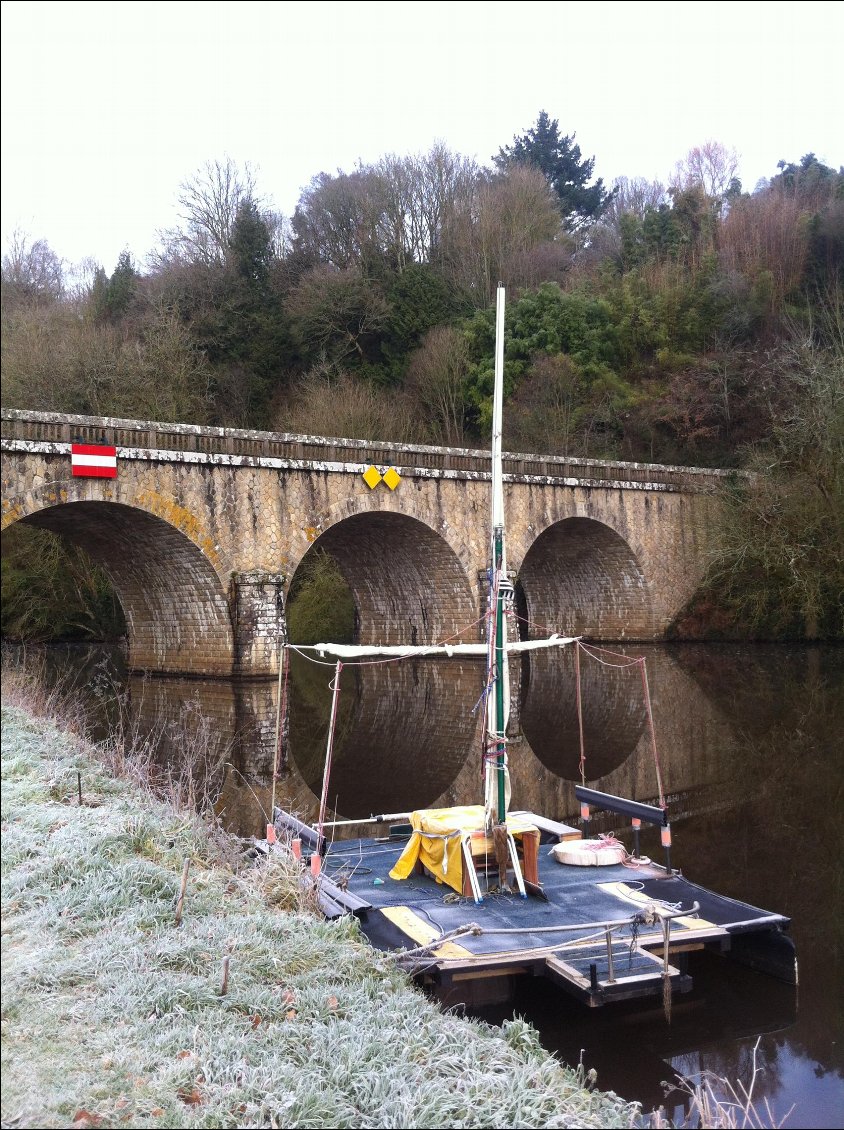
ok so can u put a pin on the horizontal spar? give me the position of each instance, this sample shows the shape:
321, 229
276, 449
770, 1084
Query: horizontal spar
469, 650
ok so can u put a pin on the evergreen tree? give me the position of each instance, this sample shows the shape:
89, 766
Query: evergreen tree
121, 287
250, 245
560, 161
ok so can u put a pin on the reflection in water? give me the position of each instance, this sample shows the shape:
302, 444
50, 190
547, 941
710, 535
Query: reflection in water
750, 743
404, 732
634, 1050
612, 705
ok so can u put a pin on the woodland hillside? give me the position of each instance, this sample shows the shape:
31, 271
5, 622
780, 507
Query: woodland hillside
692, 322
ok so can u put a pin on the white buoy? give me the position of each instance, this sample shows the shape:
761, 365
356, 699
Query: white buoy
589, 853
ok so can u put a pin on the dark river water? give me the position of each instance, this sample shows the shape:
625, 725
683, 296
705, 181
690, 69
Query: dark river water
752, 760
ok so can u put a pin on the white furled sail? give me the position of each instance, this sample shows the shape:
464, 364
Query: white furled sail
420, 651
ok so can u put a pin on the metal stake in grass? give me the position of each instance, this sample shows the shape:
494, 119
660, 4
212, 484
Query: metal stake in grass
224, 988
181, 899
79, 786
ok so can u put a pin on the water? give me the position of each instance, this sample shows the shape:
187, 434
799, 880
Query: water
750, 756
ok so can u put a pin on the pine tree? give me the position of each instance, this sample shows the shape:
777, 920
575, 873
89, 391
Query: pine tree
560, 161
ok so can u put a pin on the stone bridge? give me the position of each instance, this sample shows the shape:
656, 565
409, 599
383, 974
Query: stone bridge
203, 529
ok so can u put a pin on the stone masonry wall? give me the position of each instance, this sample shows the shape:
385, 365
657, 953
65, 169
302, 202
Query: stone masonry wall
202, 540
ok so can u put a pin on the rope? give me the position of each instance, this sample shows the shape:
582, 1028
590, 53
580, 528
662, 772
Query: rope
281, 714
607, 840
580, 717
592, 651
598, 937
647, 694
323, 800
637, 661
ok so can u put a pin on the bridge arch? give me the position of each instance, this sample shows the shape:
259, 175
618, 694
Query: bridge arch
408, 584
173, 599
582, 578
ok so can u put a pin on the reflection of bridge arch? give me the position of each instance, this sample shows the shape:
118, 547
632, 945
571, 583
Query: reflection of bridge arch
172, 596
404, 731
581, 577
613, 713
408, 585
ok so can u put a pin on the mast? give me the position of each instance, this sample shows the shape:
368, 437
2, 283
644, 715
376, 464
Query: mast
500, 581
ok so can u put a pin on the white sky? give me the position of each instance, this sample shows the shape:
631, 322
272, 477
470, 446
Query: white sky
107, 107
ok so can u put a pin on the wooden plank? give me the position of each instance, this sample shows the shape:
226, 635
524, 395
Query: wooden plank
487, 973
421, 932
647, 982
489, 961
554, 827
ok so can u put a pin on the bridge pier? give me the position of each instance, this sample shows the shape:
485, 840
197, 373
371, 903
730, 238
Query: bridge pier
258, 622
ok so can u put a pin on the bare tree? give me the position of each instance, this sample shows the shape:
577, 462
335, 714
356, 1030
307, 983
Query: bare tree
495, 233
208, 204
436, 380
392, 213
337, 219
711, 166
420, 193
630, 196
335, 311
767, 234
636, 195
546, 408
331, 402
31, 271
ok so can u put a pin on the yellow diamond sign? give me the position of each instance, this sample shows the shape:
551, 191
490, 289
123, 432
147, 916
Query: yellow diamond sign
372, 477
392, 478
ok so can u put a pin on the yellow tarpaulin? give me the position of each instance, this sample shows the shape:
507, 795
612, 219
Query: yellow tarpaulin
437, 837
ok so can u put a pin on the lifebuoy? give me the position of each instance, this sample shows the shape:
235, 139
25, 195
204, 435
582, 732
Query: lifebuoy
590, 853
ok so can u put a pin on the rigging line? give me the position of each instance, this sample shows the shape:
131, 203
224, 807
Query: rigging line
580, 716
584, 943
254, 794
281, 715
323, 802
337, 854
647, 694
532, 624
591, 649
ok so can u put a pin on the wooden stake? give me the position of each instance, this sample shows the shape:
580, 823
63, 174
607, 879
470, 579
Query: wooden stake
666, 976
181, 899
79, 786
224, 988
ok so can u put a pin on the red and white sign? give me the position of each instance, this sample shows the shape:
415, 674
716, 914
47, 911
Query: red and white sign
93, 460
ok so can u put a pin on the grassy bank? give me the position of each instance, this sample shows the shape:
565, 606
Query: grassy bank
114, 1016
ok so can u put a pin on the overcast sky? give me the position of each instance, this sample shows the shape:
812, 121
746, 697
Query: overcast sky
107, 107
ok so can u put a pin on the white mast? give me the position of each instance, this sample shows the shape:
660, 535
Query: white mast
497, 508
498, 681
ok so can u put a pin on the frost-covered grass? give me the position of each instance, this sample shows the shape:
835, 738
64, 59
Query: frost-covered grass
113, 1015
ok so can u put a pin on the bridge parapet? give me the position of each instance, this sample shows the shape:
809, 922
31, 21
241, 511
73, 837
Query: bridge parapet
246, 447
